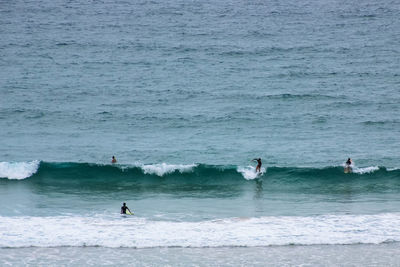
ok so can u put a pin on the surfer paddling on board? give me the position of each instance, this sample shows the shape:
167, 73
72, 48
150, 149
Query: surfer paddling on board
124, 208
258, 168
113, 160
347, 167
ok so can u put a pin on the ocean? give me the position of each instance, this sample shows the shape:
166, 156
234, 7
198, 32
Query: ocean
185, 94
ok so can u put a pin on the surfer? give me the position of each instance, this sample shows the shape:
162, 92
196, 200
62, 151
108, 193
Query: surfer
348, 164
114, 160
124, 208
258, 168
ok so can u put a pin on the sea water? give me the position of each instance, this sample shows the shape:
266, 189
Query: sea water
185, 94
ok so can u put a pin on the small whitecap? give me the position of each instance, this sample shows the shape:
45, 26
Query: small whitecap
164, 168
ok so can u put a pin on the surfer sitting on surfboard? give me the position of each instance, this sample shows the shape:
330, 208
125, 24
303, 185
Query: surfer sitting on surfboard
258, 168
113, 160
124, 208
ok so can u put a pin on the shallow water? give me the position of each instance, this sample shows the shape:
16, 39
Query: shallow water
353, 255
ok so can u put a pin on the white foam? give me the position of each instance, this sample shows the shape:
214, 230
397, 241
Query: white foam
18, 170
365, 170
361, 170
249, 172
164, 168
141, 233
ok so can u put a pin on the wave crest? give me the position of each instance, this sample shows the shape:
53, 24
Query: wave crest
164, 168
58, 171
18, 170
365, 170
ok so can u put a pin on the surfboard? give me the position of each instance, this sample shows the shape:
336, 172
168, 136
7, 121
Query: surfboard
347, 170
127, 213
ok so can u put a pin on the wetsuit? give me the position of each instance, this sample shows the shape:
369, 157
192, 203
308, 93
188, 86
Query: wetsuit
123, 209
258, 168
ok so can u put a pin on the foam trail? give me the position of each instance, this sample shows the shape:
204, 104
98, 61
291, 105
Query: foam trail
361, 170
164, 168
249, 172
365, 170
250, 232
18, 170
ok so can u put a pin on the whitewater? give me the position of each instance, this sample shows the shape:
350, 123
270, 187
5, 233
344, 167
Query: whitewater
185, 94
230, 232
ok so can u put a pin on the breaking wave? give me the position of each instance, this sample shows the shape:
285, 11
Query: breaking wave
255, 231
84, 171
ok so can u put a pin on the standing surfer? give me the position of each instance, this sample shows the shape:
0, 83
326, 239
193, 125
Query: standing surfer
113, 160
348, 166
258, 168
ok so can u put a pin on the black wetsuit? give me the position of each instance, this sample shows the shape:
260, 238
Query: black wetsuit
123, 209
258, 168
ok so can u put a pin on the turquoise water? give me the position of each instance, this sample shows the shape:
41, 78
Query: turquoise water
199, 192
185, 94
296, 83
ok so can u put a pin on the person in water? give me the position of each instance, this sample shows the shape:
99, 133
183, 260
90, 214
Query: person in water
348, 167
124, 208
258, 168
114, 160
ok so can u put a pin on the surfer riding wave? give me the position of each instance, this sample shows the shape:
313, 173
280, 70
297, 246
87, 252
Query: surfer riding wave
259, 163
